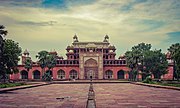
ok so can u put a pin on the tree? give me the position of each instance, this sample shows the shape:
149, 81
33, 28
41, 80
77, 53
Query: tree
177, 63
10, 57
42, 56
155, 63
174, 50
142, 58
135, 58
132, 63
51, 61
3, 33
28, 64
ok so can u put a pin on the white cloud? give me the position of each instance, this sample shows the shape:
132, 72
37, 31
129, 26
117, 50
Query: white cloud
32, 27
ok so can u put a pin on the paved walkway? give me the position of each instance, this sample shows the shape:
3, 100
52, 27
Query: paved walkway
113, 95
49, 96
135, 96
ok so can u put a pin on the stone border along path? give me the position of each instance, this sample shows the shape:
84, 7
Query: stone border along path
3, 90
91, 100
91, 103
156, 86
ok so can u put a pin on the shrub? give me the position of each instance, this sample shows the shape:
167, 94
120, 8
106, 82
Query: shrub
5, 85
148, 80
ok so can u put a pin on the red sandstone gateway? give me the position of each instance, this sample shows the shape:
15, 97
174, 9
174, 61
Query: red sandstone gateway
85, 60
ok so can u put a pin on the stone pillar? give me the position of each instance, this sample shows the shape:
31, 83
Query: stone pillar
30, 75
100, 68
54, 74
81, 67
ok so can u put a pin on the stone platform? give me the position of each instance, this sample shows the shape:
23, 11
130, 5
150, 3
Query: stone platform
135, 96
49, 96
112, 95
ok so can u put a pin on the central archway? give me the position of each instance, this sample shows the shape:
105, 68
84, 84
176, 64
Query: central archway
91, 69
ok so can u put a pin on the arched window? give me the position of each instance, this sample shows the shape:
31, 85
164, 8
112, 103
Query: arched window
108, 74
73, 74
24, 74
36, 74
120, 74
61, 74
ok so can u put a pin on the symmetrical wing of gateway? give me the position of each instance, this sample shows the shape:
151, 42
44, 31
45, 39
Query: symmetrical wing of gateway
85, 60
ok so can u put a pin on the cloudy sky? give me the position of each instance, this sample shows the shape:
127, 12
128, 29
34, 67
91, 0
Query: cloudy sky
51, 24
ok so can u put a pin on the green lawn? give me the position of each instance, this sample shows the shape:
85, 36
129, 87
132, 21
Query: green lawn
6, 85
166, 84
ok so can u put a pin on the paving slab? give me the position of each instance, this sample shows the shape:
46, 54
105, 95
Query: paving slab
49, 96
124, 95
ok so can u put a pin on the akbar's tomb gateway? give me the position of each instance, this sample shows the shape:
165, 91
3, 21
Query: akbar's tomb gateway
85, 60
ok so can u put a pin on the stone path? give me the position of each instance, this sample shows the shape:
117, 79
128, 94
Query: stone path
113, 95
135, 96
49, 96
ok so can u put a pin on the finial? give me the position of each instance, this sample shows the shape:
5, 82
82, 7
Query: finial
106, 38
75, 38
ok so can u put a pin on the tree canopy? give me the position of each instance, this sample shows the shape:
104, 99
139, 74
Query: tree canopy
10, 57
142, 58
9, 54
174, 50
42, 56
28, 64
135, 58
155, 63
46, 60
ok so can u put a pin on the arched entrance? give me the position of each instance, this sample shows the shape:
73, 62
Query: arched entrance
120, 74
73, 74
24, 74
91, 69
36, 74
61, 74
108, 74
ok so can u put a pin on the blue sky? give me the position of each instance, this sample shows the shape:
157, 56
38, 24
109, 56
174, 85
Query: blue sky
50, 24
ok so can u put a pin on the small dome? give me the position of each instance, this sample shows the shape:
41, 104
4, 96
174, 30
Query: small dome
71, 51
60, 57
122, 57
53, 52
26, 52
112, 47
70, 47
111, 51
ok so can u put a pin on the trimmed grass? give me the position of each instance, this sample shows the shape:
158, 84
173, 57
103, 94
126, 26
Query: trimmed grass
6, 85
165, 84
